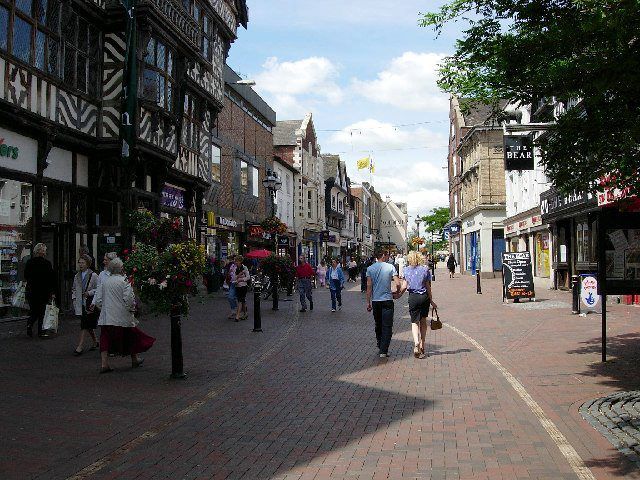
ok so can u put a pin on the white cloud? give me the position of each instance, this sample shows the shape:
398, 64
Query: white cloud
409, 83
296, 87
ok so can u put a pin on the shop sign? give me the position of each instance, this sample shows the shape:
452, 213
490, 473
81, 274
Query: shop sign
211, 219
283, 241
343, 242
517, 275
518, 152
257, 231
226, 222
172, 197
454, 229
536, 220
552, 202
589, 290
309, 235
8, 150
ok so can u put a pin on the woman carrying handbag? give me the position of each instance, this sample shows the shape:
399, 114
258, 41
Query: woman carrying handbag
84, 288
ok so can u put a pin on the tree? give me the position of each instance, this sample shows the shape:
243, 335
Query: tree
528, 50
435, 222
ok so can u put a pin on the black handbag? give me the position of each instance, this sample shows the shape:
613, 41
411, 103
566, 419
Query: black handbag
436, 324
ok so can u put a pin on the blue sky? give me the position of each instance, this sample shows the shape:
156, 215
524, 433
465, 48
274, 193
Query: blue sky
362, 67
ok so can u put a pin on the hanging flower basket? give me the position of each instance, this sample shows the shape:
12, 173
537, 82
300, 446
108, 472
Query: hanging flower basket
274, 225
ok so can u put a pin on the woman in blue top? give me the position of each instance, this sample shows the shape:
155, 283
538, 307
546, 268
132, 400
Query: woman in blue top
418, 278
335, 280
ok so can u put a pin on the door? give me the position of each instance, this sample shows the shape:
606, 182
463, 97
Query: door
499, 247
60, 252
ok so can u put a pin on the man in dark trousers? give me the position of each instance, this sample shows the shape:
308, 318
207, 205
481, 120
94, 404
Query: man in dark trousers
38, 273
383, 287
304, 274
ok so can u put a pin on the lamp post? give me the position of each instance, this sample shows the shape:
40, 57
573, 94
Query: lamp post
272, 183
418, 221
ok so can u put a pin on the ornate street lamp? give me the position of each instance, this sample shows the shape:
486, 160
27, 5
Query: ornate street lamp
418, 221
272, 183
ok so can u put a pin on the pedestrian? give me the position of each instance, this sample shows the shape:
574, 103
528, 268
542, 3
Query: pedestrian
353, 270
38, 273
119, 334
451, 265
230, 280
321, 273
418, 280
400, 262
304, 274
383, 286
84, 250
242, 281
363, 274
335, 280
84, 288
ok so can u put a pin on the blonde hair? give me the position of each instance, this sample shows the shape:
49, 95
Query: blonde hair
40, 249
415, 259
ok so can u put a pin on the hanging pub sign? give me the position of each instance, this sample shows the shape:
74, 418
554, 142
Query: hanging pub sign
518, 152
517, 275
172, 197
283, 241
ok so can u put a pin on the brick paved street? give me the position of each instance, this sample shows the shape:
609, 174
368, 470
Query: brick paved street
310, 399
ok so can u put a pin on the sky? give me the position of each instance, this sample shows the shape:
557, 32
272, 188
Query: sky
367, 72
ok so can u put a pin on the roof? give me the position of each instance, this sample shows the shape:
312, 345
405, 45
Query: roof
331, 163
284, 132
249, 95
243, 12
477, 113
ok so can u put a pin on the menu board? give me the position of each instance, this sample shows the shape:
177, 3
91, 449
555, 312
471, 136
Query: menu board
517, 275
622, 254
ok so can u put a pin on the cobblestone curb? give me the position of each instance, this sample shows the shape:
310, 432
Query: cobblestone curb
617, 417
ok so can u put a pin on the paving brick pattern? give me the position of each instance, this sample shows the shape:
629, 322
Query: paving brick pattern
310, 399
617, 417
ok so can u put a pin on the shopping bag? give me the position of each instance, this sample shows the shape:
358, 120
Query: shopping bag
19, 297
436, 324
50, 321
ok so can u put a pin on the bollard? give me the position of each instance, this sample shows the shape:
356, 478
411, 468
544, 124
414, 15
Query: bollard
274, 293
257, 315
575, 293
478, 286
177, 365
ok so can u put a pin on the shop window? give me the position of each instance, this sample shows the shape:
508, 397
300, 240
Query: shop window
583, 242
244, 177
158, 84
215, 162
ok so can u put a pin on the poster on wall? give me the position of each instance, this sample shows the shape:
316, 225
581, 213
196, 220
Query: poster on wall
619, 238
517, 275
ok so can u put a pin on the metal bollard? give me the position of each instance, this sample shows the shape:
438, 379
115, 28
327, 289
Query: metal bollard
257, 315
177, 364
274, 293
478, 286
575, 293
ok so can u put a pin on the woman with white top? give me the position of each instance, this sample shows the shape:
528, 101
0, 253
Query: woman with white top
84, 288
242, 281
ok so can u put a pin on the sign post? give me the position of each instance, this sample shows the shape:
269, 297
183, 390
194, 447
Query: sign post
517, 278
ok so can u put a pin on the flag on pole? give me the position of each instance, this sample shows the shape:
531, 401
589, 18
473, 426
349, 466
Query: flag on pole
130, 80
363, 163
372, 168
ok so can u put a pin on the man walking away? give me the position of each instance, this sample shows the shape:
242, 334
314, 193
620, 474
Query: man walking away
383, 286
304, 274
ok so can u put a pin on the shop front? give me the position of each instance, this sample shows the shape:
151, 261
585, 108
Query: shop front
527, 233
483, 242
309, 246
228, 239
257, 238
287, 245
573, 222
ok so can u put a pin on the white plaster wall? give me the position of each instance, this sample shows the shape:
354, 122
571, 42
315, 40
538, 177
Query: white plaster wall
82, 167
60, 165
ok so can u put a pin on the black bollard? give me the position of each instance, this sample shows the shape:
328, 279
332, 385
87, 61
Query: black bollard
177, 364
274, 293
575, 293
478, 286
257, 315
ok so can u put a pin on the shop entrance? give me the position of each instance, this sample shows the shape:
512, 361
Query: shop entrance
60, 252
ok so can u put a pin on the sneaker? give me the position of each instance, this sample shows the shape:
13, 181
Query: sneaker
302, 310
310, 304
333, 309
384, 355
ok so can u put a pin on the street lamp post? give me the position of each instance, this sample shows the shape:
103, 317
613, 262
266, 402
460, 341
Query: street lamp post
418, 221
272, 183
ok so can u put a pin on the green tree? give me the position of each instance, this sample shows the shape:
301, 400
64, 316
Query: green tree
435, 222
527, 50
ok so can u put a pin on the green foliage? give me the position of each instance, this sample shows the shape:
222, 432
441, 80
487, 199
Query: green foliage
279, 265
527, 50
437, 219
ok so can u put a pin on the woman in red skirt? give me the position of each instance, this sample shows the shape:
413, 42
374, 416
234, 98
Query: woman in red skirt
119, 334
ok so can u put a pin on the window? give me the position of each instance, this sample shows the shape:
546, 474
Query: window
215, 162
81, 53
583, 237
191, 122
35, 37
254, 182
244, 177
158, 84
333, 202
288, 183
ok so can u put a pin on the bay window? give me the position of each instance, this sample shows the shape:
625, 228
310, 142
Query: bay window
158, 82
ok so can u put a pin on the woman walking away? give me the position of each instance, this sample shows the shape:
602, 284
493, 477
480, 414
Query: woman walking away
418, 278
230, 279
119, 334
335, 280
38, 273
451, 265
321, 273
242, 280
84, 288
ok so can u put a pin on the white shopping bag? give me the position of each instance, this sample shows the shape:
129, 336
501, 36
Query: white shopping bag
19, 297
50, 321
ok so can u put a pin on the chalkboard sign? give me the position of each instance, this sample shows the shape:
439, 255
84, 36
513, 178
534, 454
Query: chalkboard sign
517, 275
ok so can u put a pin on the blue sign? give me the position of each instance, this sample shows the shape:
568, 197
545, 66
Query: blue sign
454, 229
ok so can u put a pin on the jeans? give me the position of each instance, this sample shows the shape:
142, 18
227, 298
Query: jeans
231, 296
383, 315
336, 293
304, 288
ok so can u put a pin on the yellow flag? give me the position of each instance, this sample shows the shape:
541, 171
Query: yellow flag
373, 168
363, 163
